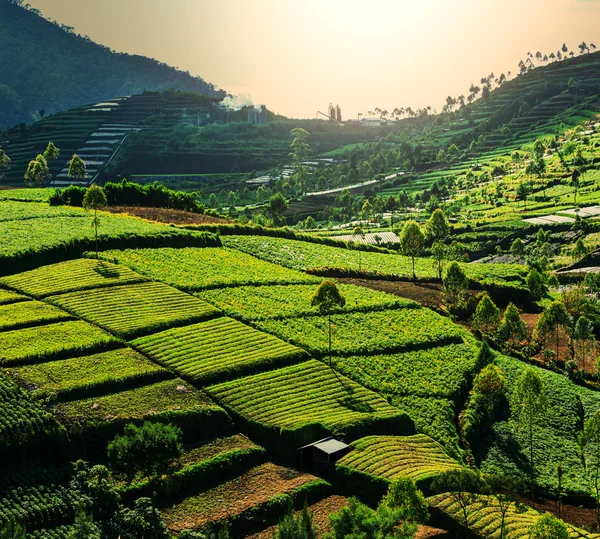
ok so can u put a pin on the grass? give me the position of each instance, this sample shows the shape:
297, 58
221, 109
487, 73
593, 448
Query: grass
301, 395
67, 378
417, 457
70, 276
255, 487
57, 340
217, 350
137, 309
367, 333
196, 269
293, 301
29, 313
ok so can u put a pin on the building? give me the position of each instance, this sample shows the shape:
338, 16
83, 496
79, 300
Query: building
323, 453
257, 115
338, 113
373, 122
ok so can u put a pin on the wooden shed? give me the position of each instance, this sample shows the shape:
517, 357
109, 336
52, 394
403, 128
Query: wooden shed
323, 453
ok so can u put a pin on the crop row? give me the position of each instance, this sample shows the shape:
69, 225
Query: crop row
304, 256
293, 301
7, 296
52, 341
392, 457
15, 211
441, 372
38, 500
61, 532
29, 313
171, 401
80, 274
216, 350
70, 378
136, 309
195, 269
300, 395
367, 333
485, 517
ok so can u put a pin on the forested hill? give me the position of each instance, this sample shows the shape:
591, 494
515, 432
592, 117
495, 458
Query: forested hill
44, 66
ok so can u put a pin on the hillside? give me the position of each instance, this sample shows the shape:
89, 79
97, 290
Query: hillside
59, 70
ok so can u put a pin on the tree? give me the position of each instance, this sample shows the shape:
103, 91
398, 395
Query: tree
37, 172
4, 163
575, 183
142, 521
148, 450
300, 527
501, 488
327, 298
96, 493
489, 387
590, 442
528, 405
51, 153
552, 319
439, 252
411, 242
455, 282
464, 485
487, 315
277, 205
77, 169
522, 193
548, 527
579, 250
11, 529
436, 227
517, 248
84, 527
94, 199
299, 154
535, 283
404, 496
583, 334
367, 209
512, 327
359, 234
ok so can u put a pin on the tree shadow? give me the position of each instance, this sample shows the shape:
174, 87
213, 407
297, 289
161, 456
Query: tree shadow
107, 271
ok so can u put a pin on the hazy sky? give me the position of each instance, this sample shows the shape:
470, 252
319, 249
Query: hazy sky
298, 56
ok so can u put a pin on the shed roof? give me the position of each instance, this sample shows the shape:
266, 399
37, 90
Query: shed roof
331, 446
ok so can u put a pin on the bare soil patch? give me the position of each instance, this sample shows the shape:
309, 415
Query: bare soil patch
163, 215
427, 532
581, 517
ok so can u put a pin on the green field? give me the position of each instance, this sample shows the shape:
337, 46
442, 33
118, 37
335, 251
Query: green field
29, 313
197, 269
217, 350
136, 309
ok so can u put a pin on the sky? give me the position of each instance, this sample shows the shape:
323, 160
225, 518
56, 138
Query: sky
298, 56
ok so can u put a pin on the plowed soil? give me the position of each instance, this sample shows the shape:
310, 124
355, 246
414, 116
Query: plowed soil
163, 215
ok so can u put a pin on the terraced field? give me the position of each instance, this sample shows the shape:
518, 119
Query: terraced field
29, 313
196, 269
217, 350
391, 457
53, 341
70, 276
485, 518
294, 301
97, 373
137, 309
305, 395
7, 296
367, 333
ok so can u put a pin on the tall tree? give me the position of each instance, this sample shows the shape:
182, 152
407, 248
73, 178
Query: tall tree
77, 169
276, 208
4, 163
94, 199
297, 527
299, 154
502, 489
455, 283
37, 172
327, 298
51, 153
437, 227
512, 328
84, 527
554, 317
487, 315
548, 527
439, 253
528, 405
583, 335
411, 242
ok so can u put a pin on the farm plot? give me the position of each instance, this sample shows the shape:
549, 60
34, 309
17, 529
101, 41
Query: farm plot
53, 341
171, 401
137, 309
217, 350
196, 269
29, 313
440, 372
80, 376
367, 333
485, 517
11, 210
301, 255
70, 276
304, 395
391, 457
556, 436
7, 296
23, 421
290, 301
251, 490
37, 500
